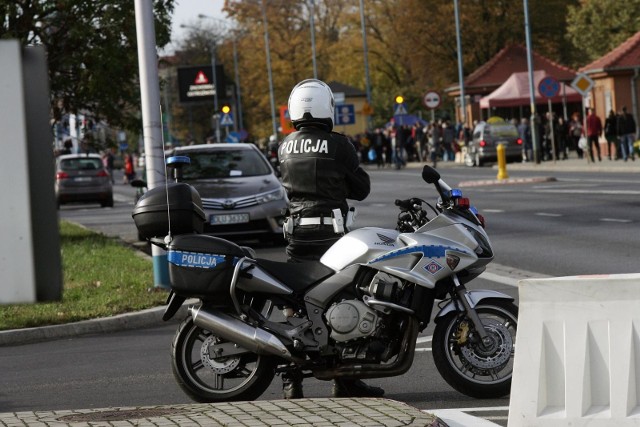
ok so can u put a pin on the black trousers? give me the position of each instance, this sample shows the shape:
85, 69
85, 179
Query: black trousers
310, 242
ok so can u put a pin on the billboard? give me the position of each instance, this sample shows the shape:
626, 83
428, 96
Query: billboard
196, 84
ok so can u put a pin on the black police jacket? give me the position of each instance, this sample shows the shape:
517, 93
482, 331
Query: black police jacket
320, 170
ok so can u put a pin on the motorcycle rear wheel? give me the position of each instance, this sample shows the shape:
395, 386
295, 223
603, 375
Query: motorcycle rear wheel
205, 379
475, 370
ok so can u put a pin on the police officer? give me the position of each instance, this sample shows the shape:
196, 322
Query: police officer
320, 171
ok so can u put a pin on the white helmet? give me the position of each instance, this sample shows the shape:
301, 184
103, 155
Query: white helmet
311, 103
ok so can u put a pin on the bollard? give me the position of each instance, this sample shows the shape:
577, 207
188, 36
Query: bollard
502, 162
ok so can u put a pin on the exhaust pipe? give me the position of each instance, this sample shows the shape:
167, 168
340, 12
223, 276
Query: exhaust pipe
253, 339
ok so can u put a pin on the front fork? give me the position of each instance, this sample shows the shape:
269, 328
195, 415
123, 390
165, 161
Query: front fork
469, 310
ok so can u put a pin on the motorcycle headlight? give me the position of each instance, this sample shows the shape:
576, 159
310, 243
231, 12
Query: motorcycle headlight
271, 196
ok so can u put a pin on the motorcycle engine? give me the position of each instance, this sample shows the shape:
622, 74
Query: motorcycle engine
351, 319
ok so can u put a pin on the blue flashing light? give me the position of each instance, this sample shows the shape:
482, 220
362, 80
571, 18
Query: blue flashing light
456, 193
473, 210
178, 160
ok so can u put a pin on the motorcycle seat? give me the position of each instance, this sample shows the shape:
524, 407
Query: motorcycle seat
297, 276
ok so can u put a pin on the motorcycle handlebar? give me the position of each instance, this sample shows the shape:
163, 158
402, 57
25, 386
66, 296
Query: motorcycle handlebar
408, 204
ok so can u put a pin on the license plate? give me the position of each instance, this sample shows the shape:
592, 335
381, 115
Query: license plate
229, 219
82, 179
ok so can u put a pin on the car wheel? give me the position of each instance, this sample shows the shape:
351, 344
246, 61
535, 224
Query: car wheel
107, 203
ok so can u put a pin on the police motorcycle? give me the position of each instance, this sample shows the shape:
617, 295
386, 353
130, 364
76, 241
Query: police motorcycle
355, 313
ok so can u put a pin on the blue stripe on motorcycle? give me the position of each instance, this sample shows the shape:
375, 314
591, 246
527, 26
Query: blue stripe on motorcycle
435, 251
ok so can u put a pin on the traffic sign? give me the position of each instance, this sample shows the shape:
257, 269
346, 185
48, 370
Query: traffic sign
431, 100
227, 119
549, 87
400, 109
583, 84
345, 114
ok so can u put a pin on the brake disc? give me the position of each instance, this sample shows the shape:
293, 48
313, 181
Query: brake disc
491, 356
220, 365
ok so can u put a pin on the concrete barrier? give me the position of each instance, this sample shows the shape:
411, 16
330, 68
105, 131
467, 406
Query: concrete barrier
577, 360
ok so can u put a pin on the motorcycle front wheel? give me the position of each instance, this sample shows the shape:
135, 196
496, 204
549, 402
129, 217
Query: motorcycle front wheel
476, 369
209, 379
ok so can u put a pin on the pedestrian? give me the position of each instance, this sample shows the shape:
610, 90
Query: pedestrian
379, 144
563, 134
108, 160
594, 130
448, 137
611, 135
435, 140
627, 131
575, 132
524, 132
129, 170
319, 178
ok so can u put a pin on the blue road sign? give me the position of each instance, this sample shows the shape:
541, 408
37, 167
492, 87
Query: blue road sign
549, 87
400, 110
345, 114
226, 120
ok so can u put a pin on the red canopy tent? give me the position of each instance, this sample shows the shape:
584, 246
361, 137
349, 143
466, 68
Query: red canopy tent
515, 92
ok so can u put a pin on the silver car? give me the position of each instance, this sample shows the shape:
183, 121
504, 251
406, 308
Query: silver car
240, 192
82, 178
487, 136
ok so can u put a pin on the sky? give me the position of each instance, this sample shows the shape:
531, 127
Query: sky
187, 11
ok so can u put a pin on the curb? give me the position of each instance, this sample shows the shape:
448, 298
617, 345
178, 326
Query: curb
120, 322
508, 181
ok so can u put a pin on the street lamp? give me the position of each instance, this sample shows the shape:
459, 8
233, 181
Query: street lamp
266, 46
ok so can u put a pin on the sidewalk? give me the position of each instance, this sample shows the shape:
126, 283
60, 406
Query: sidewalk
343, 412
573, 164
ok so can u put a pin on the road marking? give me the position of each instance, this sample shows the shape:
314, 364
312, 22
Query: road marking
493, 210
421, 340
575, 191
615, 220
547, 214
423, 349
459, 418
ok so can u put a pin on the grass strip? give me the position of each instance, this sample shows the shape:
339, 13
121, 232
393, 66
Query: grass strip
101, 277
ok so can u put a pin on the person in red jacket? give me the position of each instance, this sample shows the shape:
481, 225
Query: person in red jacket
594, 130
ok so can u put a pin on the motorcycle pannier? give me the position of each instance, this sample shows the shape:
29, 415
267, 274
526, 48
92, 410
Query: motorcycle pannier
151, 214
202, 266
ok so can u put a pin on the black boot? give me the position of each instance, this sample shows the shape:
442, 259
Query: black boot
292, 385
355, 388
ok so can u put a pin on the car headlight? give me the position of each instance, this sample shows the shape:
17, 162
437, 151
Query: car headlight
271, 196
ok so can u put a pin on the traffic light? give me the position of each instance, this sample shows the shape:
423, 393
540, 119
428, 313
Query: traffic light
399, 99
226, 109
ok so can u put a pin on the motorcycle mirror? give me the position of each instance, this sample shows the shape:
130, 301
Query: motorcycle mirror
430, 175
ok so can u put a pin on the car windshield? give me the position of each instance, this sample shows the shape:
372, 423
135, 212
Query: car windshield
80, 163
225, 164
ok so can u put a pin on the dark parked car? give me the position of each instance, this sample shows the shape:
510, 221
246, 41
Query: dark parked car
240, 193
486, 138
82, 178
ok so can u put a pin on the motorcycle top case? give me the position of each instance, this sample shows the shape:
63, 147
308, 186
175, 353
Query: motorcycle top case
201, 266
151, 214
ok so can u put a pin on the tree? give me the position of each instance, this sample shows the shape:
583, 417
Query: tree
595, 27
92, 52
